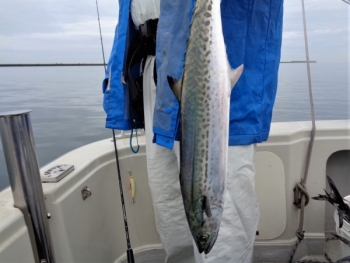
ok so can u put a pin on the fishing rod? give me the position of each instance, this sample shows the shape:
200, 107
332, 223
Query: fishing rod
129, 252
99, 26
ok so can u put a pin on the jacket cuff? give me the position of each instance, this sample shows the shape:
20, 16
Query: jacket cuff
164, 141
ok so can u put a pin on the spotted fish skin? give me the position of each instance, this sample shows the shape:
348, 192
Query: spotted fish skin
204, 94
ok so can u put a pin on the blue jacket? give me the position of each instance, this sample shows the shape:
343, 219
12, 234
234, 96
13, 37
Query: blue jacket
252, 32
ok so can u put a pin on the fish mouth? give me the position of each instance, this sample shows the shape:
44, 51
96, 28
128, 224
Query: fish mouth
206, 246
211, 244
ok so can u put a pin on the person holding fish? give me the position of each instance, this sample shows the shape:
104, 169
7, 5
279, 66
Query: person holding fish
187, 50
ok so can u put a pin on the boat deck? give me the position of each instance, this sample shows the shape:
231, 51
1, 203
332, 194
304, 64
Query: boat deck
332, 248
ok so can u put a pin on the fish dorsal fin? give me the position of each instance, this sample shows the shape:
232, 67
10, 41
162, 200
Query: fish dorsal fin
175, 86
235, 74
206, 206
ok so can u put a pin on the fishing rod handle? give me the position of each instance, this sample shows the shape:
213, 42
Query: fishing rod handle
130, 256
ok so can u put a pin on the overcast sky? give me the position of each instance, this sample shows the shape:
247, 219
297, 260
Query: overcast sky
66, 31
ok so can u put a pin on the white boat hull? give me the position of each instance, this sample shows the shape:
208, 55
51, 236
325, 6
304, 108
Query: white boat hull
92, 230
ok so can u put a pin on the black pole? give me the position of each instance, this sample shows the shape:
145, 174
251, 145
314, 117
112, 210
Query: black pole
129, 252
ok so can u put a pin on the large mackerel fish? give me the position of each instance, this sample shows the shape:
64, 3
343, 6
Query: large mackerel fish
204, 94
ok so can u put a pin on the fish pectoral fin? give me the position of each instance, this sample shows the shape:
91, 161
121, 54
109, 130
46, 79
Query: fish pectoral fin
235, 74
206, 206
175, 86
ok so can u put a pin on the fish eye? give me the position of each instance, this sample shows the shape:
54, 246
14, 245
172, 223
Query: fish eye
203, 238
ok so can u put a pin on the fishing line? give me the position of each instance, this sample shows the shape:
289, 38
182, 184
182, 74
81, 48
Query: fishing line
129, 252
99, 26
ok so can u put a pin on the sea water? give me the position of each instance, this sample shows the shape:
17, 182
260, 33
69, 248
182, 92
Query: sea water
66, 102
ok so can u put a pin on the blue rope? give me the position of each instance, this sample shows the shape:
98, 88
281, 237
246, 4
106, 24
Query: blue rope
137, 141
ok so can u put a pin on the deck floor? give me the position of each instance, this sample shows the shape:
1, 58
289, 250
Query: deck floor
158, 255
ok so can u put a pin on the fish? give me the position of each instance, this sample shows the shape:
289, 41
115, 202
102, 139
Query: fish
203, 92
335, 199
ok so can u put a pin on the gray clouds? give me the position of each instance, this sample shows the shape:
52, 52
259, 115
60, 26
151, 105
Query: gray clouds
50, 31
327, 28
63, 31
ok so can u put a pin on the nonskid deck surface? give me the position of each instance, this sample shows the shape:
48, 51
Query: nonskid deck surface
332, 248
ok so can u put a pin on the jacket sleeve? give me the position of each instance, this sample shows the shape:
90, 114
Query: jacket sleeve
172, 34
116, 96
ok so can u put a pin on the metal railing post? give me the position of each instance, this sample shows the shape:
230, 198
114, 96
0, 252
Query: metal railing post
23, 170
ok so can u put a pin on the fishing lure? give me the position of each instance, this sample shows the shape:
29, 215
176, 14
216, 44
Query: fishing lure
132, 186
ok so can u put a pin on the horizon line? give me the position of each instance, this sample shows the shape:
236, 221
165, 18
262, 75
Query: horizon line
49, 64
97, 64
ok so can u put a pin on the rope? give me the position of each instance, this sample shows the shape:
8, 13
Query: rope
294, 251
299, 192
301, 196
137, 142
311, 100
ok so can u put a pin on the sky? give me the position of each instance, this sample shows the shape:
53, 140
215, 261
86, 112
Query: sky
66, 31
